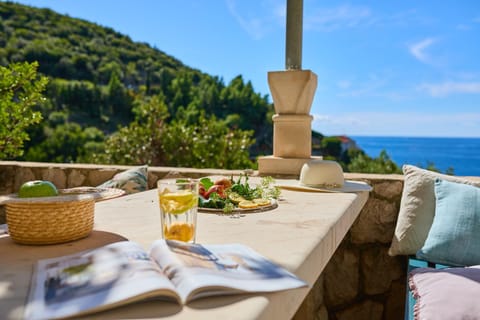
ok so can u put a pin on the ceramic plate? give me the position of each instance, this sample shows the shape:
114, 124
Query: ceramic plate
273, 204
99, 194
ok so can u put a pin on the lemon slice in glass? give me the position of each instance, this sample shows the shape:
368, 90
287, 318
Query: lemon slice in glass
178, 202
179, 231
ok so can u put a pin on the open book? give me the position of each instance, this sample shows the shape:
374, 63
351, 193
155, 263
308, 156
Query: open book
123, 272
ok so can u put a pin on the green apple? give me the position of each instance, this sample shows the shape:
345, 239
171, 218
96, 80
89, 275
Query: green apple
37, 188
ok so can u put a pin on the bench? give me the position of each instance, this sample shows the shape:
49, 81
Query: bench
438, 228
414, 263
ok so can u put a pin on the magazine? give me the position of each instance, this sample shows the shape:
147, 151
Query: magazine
124, 272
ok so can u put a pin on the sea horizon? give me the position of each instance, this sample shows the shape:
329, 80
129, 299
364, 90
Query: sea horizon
399, 136
462, 154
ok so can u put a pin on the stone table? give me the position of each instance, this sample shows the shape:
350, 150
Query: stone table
301, 234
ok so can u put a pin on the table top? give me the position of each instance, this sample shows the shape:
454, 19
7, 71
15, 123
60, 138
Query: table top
301, 235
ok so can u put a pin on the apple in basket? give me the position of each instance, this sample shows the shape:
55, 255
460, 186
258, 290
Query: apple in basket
37, 188
41, 214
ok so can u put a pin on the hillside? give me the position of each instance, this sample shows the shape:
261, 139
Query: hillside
96, 75
112, 100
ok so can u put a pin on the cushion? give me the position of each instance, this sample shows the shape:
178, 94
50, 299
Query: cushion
131, 181
443, 294
454, 237
417, 208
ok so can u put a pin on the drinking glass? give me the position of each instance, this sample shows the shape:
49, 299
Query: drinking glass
178, 209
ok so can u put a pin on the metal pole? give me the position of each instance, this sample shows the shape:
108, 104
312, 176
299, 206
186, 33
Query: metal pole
293, 47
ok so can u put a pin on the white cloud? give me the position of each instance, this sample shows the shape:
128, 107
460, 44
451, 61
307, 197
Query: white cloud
338, 120
418, 50
260, 22
399, 124
252, 26
463, 27
345, 16
280, 11
403, 18
351, 16
447, 88
321, 117
344, 84
373, 85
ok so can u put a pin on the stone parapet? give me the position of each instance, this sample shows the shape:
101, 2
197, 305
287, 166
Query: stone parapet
360, 282
14, 173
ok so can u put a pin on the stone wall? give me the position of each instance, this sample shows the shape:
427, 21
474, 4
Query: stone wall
360, 282
13, 174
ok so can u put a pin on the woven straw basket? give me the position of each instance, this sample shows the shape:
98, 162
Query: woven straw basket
50, 220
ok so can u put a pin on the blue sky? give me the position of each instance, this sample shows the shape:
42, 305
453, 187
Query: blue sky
385, 68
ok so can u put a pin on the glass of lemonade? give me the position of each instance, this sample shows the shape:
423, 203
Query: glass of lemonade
178, 209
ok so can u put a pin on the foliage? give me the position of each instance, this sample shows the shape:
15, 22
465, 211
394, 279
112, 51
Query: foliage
65, 143
191, 140
206, 143
431, 166
20, 90
360, 162
331, 147
139, 142
228, 194
112, 100
353, 159
97, 76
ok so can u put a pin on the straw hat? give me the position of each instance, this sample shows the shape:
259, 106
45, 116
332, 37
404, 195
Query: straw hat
323, 176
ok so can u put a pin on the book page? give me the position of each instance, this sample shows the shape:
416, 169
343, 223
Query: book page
94, 280
203, 270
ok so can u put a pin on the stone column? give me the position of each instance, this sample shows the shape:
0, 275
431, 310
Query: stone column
294, 35
292, 93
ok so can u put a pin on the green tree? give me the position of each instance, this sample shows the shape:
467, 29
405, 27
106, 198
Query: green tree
20, 91
118, 98
190, 140
139, 142
66, 142
94, 143
95, 74
432, 167
207, 143
331, 147
362, 163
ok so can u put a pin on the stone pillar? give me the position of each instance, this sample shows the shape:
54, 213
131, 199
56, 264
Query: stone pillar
292, 94
294, 35
292, 135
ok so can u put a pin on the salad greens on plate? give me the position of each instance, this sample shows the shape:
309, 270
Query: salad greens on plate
228, 194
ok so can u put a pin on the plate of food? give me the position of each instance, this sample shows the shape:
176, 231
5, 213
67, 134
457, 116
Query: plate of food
228, 195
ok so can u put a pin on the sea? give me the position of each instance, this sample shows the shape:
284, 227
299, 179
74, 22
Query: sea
461, 154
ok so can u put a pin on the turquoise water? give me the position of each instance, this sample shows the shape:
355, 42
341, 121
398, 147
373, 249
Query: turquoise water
461, 154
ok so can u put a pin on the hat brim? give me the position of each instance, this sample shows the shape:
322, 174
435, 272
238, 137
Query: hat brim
348, 186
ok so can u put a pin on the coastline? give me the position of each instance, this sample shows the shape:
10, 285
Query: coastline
460, 153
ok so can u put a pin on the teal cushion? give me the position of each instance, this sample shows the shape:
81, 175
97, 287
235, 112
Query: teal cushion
454, 237
131, 181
